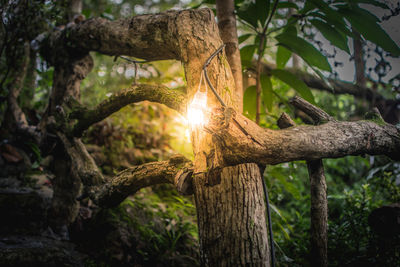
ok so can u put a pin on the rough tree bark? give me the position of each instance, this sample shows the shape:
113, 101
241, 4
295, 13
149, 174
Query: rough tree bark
190, 36
226, 180
228, 32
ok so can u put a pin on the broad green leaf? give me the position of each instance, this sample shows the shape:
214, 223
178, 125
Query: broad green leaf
332, 16
305, 50
287, 5
267, 93
262, 7
249, 102
297, 84
331, 34
370, 2
282, 57
368, 27
247, 13
246, 54
244, 37
291, 30
339, 25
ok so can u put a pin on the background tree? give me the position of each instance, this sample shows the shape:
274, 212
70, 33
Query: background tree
224, 175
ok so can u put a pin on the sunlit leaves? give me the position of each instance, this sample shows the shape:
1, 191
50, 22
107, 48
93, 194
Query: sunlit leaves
282, 56
297, 84
249, 102
304, 49
246, 54
244, 37
267, 93
254, 13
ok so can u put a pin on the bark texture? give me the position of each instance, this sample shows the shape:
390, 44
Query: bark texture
190, 36
329, 140
231, 217
319, 214
131, 180
137, 93
228, 32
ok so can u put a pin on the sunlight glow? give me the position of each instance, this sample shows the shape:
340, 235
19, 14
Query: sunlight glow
196, 109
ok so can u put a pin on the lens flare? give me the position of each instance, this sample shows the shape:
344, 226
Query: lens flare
196, 109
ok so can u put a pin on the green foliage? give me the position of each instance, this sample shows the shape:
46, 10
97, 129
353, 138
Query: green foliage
304, 49
298, 85
154, 227
331, 34
353, 192
267, 92
282, 56
367, 24
249, 107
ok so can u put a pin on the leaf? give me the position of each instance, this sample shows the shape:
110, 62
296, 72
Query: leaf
246, 54
331, 34
287, 5
262, 7
289, 187
244, 37
282, 56
247, 13
297, 84
267, 93
340, 25
291, 30
370, 2
305, 50
366, 24
249, 102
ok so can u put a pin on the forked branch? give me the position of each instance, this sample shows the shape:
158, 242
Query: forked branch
177, 171
155, 93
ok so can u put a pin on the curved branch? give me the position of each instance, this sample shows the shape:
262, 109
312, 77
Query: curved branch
155, 93
150, 37
131, 180
329, 140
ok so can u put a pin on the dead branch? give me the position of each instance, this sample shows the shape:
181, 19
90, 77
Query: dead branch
155, 93
330, 140
129, 181
318, 115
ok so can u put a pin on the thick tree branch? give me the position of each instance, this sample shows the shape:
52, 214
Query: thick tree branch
228, 32
131, 180
83, 166
14, 116
155, 93
151, 37
329, 140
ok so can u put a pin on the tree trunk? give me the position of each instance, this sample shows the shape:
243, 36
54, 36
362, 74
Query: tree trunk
359, 61
228, 32
319, 214
231, 217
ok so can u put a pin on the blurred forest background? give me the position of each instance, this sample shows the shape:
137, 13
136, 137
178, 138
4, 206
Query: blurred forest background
157, 226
